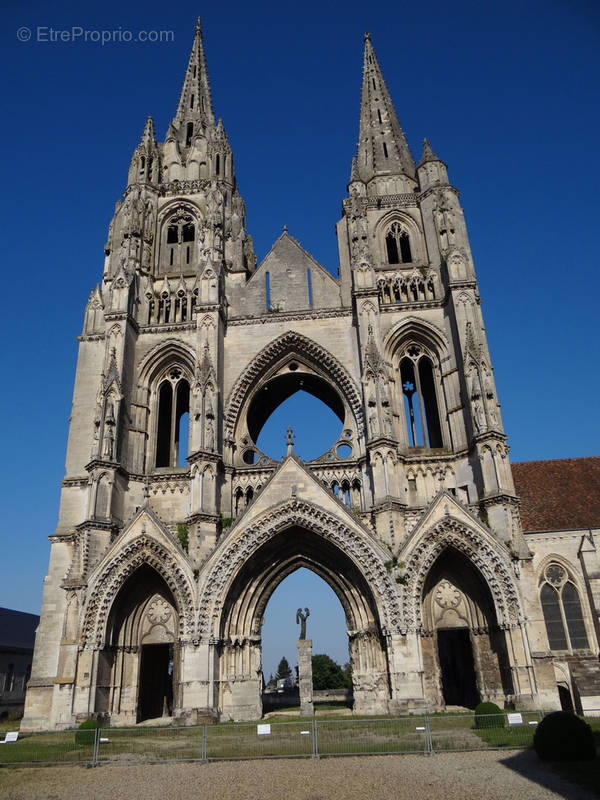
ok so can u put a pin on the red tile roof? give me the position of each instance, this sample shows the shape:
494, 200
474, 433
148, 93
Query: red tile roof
559, 495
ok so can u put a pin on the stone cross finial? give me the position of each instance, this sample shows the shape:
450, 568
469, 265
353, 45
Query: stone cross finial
290, 440
301, 620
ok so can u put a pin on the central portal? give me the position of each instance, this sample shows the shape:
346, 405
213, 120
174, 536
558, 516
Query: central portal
456, 664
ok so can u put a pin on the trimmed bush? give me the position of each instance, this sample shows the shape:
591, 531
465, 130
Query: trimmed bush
86, 732
562, 736
489, 715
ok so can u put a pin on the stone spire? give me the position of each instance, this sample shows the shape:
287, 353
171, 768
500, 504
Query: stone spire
144, 162
428, 154
382, 147
195, 104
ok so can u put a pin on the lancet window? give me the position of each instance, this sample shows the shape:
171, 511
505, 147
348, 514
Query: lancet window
397, 244
179, 235
420, 399
173, 420
561, 606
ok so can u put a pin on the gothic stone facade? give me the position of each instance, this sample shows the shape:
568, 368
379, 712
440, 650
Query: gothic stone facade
173, 536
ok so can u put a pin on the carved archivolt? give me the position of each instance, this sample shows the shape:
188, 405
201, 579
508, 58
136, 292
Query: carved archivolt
365, 553
491, 561
168, 352
284, 344
143, 550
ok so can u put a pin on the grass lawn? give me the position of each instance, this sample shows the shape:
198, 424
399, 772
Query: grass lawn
45, 748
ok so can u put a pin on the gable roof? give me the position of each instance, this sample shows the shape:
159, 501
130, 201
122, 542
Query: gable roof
17, 629
557, 495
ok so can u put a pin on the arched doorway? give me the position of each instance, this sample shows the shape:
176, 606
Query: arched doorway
464, 649
326, 628
137, 676
239, 654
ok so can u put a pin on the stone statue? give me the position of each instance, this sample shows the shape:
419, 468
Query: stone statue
209, 435
301, 620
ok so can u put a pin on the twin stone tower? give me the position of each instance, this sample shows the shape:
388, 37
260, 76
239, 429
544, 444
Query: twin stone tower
175, 529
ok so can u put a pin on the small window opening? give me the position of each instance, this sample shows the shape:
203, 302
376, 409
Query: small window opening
187, 254
217, 164
379, 116
172, 234
373, 82
171, 257
142, 165
385, 152
309, 284
268, 288
189, 134
150, 164
195, 70
192, 101
188, 233
412, 484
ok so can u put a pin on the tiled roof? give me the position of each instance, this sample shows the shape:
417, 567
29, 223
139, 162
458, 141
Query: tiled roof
559, 495
17, 629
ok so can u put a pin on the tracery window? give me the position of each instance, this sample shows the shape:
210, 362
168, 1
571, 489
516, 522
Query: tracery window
420, 399
179, 235
562, 610
173, 417
397, 244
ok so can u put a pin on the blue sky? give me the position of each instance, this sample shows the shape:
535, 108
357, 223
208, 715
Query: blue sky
506, 92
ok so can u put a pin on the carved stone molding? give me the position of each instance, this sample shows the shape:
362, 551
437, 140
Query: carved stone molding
236, 552
291, 342
143, 550
491, 561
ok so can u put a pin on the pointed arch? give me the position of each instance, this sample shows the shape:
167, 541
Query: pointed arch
487, 556
284, 346
415, 329
367, 556
143, 550
167, 353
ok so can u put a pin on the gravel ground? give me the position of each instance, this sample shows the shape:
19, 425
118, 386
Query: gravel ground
491, 775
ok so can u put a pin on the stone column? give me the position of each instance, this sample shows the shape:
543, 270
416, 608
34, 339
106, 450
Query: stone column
305, 677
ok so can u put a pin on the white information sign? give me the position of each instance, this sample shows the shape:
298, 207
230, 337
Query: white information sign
263, 730
515, 719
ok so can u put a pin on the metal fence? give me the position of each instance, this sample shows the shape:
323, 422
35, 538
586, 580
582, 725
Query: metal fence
427, 734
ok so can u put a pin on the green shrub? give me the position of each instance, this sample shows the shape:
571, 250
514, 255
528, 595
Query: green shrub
86, 732
489, 715
562, 736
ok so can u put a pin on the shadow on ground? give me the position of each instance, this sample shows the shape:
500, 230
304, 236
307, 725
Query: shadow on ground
529, 765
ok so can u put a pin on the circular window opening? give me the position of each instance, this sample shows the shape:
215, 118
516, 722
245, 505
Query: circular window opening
293, 366
343, 451
249, 457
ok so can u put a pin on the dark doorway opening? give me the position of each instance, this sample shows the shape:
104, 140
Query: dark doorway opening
458, 670
566, 701
155, 697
